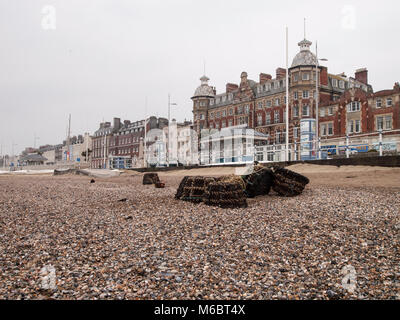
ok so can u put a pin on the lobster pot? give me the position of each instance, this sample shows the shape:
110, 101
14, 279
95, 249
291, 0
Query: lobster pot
233, 179
225, 195
179, 192
195, 187
258, 183
150, 178
288, 183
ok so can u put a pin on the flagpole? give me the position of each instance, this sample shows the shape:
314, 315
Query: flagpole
287, 94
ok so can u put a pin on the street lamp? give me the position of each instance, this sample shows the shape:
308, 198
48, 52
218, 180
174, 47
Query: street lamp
169, 115
317, 98
35, 138
12, 151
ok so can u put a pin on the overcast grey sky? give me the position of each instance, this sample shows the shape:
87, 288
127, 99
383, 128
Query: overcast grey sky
105, 56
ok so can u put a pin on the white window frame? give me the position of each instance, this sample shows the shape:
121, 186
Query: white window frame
305, 107
386, 122
324, 130
357, 126
295, 111
277, 116
330, 128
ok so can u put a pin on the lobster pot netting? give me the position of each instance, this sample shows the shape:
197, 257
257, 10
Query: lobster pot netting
288, 183
195, 187
259, 182
225, 195
150, 178
179, 192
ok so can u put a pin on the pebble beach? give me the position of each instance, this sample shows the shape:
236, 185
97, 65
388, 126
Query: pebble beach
119, 239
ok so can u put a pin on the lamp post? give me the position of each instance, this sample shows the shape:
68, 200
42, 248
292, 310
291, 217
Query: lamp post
169, 116
12, 152
145, 143
35, 138
317, 98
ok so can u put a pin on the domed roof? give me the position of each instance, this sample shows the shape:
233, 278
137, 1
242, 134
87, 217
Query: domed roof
305, 57
204, 90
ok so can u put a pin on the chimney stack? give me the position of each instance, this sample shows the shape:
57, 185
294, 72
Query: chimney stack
280, 73
323, 76
362, 75
116, 124
230, 87
264, 77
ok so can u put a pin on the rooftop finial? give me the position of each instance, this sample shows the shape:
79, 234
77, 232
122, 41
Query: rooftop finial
304, 28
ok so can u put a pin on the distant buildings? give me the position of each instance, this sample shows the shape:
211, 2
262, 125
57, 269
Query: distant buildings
349, 110
122, 144
348, 106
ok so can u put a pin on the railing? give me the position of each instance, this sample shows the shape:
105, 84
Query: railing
376, 143
355, 145
58, 165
